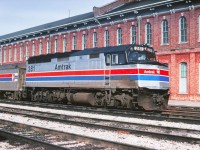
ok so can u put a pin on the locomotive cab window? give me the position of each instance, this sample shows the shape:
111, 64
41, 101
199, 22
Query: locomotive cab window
134, 56
108, 59
114, 59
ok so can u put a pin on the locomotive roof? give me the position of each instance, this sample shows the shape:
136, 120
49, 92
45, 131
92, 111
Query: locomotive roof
12, 66
110, 49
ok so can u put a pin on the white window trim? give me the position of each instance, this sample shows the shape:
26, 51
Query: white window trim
64, 44
84, 41
48, 47
199, 78
119, 29
40, 48
105, 39
10, 55
186, 78
74, 42
20, 53
199, 28
15, 54
180, 42
1, 55
146, 34
33, 49
55, 45
131, 34
94, 39
27, 51
4, 56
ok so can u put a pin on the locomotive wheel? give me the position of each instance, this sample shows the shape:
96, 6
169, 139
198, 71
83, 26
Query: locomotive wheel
147, 102
117, 103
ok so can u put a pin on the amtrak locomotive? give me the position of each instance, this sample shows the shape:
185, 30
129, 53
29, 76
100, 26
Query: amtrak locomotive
126, 76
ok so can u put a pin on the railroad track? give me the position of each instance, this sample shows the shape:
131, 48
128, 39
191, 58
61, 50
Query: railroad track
56, 140
128, 128
169, 114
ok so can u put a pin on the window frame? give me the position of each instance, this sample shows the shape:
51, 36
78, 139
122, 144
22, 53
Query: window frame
183, 30
183, 78
199, 27
116, 58
15, 53
27, 51
64, 44
1, 55
10, 54
33, 49
74, 43
21, 52
40, 48
133, 34
56, 45
106, 38
95, 39
5, 55
119, 36
148, 34
165, 32
84, 41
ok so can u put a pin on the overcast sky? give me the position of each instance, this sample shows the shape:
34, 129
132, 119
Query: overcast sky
17, 15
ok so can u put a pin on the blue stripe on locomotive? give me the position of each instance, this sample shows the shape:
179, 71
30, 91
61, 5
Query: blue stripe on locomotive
5, 79
129, 77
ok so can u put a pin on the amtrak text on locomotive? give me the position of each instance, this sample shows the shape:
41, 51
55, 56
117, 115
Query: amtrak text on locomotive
63, 67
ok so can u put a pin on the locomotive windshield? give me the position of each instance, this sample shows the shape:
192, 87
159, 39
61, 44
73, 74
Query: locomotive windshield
135, 55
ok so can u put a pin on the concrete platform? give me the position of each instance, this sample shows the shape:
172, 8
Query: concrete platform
184, 103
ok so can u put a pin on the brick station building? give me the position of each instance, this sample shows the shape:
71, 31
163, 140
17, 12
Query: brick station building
172, 27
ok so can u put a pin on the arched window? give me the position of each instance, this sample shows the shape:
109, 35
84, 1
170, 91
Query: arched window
148, 34
95, 40
182, 30
106, 38
48, 47
119, 36
15, 53
33, 49
64, 44
27, 51
4, 55
10, 55
165, 35
1, 54
84, 41
183, 78
133, 34
74, 43
199, 28
21, 52
40, 47
56, 45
